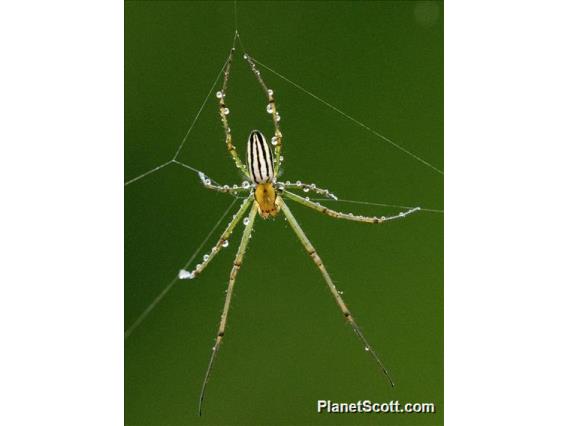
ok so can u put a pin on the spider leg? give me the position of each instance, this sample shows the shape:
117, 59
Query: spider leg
221, 332
271, 109
183, 274
224, 112
339, 300
307, 187
207, 183
346, 216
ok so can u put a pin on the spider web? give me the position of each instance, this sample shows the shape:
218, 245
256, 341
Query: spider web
378, 136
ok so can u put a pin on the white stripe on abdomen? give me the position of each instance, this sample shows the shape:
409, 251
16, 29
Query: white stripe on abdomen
259, 158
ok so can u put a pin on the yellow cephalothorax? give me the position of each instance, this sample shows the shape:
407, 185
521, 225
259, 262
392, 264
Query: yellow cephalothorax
265, 197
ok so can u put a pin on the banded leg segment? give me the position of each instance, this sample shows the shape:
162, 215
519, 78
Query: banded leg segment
271, 109
221, 332
338, 299
224, 112
347, 216
222, 242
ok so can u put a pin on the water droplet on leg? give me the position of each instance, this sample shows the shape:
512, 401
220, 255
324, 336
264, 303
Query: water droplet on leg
184, 275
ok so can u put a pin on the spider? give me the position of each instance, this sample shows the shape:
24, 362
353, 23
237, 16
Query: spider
264, 195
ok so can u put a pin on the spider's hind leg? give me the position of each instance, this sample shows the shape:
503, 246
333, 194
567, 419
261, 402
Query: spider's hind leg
221, 331
338, 299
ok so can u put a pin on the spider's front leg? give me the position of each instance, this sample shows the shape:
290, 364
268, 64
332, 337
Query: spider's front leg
224, 112
271, 109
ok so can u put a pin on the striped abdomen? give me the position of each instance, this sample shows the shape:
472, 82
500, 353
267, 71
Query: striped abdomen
259, 158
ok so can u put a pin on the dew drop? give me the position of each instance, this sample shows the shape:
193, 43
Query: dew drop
299, 183
184, 275
307, 198
246, 221
270, 92
274, 141
226, 111
235, 186
198, 267
226, 187
219, 94
207, 181
287, 182
225, 243
205, 257
269, 108
245, 56
306, 189
246, 184
382, 218
350, 215
277, 117
367, 348
281, 158
313, 186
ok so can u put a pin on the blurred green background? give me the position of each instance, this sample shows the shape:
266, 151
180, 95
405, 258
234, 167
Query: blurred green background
287, 344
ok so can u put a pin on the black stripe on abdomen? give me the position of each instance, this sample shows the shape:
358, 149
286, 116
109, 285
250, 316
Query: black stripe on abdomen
260, 165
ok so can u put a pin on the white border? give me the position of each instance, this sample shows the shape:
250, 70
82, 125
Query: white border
61, 100
505, 228
61, 175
